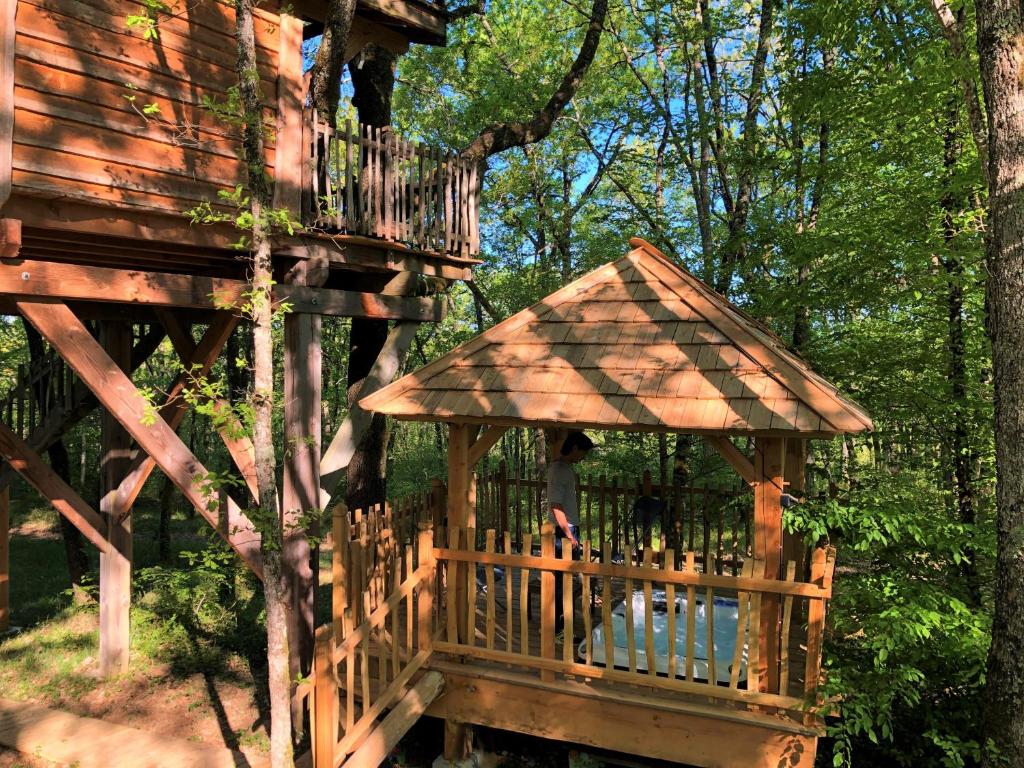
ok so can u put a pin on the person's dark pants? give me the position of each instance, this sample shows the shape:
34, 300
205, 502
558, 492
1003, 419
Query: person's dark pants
559, 538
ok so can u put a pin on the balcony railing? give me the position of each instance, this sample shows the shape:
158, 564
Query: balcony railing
365, 180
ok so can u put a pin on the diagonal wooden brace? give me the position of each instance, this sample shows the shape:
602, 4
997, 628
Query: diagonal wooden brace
62, 496
734, 457
118, 395
174, 410
239, 446
346, 440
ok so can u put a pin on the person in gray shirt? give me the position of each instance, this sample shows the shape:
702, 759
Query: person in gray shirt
563, 509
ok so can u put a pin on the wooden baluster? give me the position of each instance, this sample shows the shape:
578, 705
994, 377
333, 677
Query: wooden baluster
568, 619
350, 680
471, 589
340, 575
720, 549
503, 495
693, 519
815, 630
524, 598
410, 605
691, 616
547, 599
743, 638
735, 542
325, 697
586, 605
489, 570
364, 657
452, 571
606, 610
652, 665
426, 596
396, 635
754, 661
630, 627
669, 565
709, 625
706, 519
509, 571
519, 510
787, 619
615, 515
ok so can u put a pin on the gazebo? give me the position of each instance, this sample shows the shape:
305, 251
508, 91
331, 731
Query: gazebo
675, 663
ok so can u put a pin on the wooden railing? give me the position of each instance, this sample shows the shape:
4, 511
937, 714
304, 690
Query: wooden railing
365, 180
39, 387
715, 521
755, 672
362, 667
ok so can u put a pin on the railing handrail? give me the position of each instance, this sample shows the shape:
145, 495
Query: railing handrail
637, 572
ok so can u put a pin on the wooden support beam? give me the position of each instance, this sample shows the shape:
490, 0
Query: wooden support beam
458, 740
300, 493
795, 473
8, 10
346, 440
27, 463
484, 443
116, 561
116, 392
768, 463
733, 456
5, 560
10, 238
199, 362
43, 279
383, 739
355, 252
289, 149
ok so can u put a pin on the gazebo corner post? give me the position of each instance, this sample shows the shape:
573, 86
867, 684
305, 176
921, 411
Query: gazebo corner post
769, 462
461, 512
795, 473
116, 563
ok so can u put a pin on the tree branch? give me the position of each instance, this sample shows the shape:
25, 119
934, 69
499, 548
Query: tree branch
501, 136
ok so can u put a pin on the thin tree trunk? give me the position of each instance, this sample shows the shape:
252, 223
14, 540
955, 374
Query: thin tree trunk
267, 516
325, 75
163, 535
1001, 56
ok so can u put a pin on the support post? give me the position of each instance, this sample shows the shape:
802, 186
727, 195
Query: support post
795, 473
301, 488
5, 560
116, 562
461, 512
768, 466
325, 699
458, 741
425, 597
547, 601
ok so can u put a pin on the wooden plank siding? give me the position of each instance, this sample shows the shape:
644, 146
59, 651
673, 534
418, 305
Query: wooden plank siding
82, 78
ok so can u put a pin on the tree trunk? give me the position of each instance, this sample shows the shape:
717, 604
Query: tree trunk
325, 75
1001, 56
267, 517
373, 82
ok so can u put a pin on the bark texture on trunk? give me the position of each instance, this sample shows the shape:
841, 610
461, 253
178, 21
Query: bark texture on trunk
325, 76
1001, 56
267, 516
373, 80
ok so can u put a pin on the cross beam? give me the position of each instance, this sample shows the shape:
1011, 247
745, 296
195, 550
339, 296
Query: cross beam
62, 496
66, 333
53, 280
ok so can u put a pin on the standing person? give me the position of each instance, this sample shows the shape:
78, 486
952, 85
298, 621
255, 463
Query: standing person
563, 510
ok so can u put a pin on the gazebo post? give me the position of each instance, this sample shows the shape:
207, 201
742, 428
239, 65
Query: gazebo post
796, 479
769, 458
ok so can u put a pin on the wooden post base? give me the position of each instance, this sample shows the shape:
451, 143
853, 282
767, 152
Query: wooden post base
458, 741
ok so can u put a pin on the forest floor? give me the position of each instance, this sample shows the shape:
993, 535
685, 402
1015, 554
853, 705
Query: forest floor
182, 681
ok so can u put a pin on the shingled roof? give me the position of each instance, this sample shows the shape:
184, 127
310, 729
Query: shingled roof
638, 344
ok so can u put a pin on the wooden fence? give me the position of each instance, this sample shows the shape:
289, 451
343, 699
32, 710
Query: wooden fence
41, 386
712, 521
757, 672
366, 180
363, 666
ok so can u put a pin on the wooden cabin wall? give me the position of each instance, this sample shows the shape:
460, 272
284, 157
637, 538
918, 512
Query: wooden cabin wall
76, 132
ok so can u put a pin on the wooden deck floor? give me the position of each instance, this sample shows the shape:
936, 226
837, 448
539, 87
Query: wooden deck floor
86, 742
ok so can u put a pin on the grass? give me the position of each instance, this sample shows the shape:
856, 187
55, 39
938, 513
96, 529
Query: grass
197, 643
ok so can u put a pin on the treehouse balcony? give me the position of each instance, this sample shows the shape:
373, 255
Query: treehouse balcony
364, 180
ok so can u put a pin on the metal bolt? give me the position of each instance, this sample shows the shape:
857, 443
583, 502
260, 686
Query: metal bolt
24, 275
